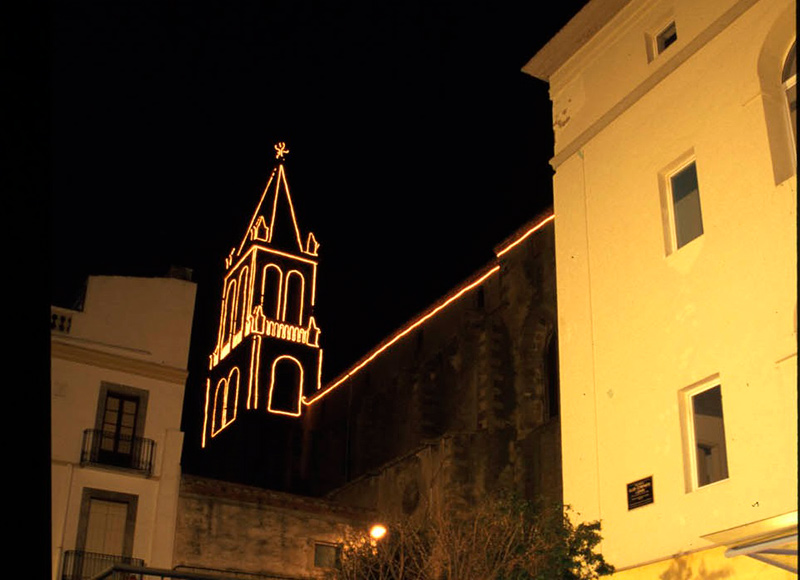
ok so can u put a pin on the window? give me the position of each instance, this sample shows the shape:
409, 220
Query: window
107, 522
120, 424
777, 76
684, 218
666, 37
789, 82
708, 453
660, 38
326, 555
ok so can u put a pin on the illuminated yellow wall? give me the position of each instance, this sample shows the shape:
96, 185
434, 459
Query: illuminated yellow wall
638, 323
132, 332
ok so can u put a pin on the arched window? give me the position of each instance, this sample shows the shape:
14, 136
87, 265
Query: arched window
241, 308
789, 82
286, 386
293, 298
228, 314
777, 76
271, 282
226, 397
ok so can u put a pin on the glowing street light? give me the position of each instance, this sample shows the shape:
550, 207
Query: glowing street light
377, 531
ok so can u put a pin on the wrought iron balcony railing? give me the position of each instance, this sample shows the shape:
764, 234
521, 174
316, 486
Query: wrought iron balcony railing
117, 450
80, 565
128, 572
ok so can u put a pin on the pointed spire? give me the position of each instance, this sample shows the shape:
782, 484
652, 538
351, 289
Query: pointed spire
276, 223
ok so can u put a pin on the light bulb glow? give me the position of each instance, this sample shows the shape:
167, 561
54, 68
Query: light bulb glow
530, 231
377, 531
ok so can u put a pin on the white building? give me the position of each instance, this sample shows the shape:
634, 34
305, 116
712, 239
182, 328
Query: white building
118, 373
676, 257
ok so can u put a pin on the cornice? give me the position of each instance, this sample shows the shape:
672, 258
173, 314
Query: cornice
695, 45
71, 352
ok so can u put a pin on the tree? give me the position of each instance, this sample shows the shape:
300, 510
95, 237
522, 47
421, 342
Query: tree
500, 538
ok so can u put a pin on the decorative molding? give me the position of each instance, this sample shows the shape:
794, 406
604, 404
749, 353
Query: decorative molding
697, 43
117, 363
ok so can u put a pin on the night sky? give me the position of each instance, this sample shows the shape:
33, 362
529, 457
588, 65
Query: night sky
416, 146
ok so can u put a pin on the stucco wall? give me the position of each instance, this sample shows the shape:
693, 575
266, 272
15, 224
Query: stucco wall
639, 321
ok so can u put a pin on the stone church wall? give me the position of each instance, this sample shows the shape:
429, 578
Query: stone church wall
255, 533
463, 405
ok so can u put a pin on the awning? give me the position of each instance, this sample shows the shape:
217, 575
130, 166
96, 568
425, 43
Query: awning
780, 552
772, 541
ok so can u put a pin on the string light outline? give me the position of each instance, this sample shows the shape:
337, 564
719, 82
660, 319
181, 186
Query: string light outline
299, 387
283, 293
524, 236
400, 334
240, 317
435, 310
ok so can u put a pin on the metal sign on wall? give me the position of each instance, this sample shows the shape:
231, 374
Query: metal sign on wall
640, 493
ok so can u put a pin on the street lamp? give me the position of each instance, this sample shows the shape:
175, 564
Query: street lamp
377, 531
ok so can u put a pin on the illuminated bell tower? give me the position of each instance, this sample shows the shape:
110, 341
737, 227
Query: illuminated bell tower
267, 356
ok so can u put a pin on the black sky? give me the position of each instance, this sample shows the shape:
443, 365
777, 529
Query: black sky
417, 145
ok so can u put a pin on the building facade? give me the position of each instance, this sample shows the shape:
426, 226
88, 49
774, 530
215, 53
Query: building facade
230, 530
675, 199
118, 374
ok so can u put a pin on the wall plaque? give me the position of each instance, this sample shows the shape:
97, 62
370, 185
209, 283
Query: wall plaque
640, 493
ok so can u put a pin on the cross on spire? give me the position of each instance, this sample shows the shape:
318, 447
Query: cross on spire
280, 150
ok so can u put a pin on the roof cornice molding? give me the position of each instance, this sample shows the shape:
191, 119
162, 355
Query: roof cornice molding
574, 35
652, 80
73, 353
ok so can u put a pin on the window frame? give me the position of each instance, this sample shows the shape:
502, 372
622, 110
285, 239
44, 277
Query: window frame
669, 217
690, 442
89, 494
660, 38
337, 554
124, 392
787, 84
653, 38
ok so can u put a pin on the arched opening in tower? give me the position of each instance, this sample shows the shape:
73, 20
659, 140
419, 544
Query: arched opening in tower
286, 386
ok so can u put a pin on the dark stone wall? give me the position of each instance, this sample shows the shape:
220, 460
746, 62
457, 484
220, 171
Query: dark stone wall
229, 527
463, 405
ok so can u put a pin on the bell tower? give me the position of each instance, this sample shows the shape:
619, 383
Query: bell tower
267, 356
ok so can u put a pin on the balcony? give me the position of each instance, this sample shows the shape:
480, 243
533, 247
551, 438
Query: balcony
60, 321
80, 565
117, 450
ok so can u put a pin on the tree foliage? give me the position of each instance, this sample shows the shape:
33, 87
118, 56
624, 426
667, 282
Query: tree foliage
500, 538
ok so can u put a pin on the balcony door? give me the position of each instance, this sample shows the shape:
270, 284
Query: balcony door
118, 429
105, 533
119, 425
105, 526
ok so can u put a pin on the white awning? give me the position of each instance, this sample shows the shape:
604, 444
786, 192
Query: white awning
780, 552
772, 541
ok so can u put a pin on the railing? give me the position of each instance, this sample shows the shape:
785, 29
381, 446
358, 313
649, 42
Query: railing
113, 449
125, 572
60, 322
80, 565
